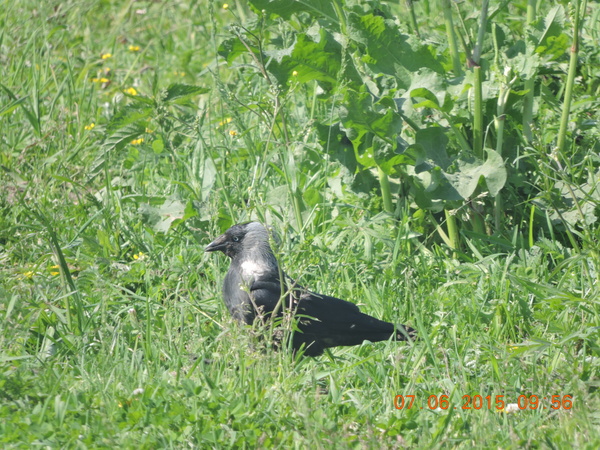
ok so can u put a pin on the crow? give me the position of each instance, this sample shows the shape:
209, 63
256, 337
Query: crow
255, 287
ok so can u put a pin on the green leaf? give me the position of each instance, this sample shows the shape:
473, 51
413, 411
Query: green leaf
310, 60
129, 114
182, 91
430, 149
360, 114
158, 146
386, 50
161, 218
471, 170
230, 49
285, 8
124, 136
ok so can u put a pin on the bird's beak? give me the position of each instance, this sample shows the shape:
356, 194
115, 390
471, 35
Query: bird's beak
217, 245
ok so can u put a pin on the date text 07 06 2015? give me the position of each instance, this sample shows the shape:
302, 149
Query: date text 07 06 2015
487, 402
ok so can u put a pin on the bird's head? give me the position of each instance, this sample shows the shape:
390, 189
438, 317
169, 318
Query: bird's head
250, 238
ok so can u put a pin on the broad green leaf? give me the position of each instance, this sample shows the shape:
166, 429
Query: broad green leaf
123, 136
161, 218
335, 143
158, 146
470, 171
285, 8
430, 149
180, 91
230, 49
360, 114
386, 50
129, 114
310, 60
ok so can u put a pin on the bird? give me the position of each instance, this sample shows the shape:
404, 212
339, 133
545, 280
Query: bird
255, 288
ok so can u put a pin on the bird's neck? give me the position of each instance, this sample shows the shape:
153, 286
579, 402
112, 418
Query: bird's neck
257, 263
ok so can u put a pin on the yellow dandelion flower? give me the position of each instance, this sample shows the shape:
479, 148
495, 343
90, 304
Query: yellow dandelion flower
106, 55
131, 91
104, 80
134, 48
140, 255
232, 133
90, 126
225, 6
137, 141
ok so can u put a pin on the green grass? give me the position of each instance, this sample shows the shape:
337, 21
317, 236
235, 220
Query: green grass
112, 328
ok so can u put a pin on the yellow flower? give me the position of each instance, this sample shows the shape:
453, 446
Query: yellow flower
54, 272
106, 55
137, 141
28, 274
225, 122
232, 133
134, 48
295, 73
90, 126
225, 6
149, 131
131, 91
140, 255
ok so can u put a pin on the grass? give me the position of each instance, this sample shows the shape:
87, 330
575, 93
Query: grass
112, 327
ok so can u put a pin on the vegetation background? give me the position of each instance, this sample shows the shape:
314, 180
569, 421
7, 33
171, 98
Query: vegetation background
435, 162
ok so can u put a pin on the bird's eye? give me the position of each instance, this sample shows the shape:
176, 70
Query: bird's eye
235, 239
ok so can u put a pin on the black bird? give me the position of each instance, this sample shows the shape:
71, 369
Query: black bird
256, 287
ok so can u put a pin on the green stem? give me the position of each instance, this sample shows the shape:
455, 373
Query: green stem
478, 114
531, 218
564, 120
452, 44
477, 72
452, 230
412, 16
481, 32
499, 123
529, 83
386, 193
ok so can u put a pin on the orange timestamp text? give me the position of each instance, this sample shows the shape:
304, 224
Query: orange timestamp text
486, 402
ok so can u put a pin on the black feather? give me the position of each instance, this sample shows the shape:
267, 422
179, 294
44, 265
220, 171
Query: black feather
253, 288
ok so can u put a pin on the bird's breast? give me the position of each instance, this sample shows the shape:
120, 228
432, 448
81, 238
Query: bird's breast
252, 270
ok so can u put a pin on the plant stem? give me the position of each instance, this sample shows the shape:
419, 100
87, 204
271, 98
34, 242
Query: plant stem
531, 219
529, 82
412, 16
452, 45
564, 120
499, 124
452, 230
478, 107
481, 32
386, 193
478, 114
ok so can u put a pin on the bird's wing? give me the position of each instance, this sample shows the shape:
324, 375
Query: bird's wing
266, 294
333, 322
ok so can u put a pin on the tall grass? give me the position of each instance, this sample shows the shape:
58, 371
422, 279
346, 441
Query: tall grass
117, 170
